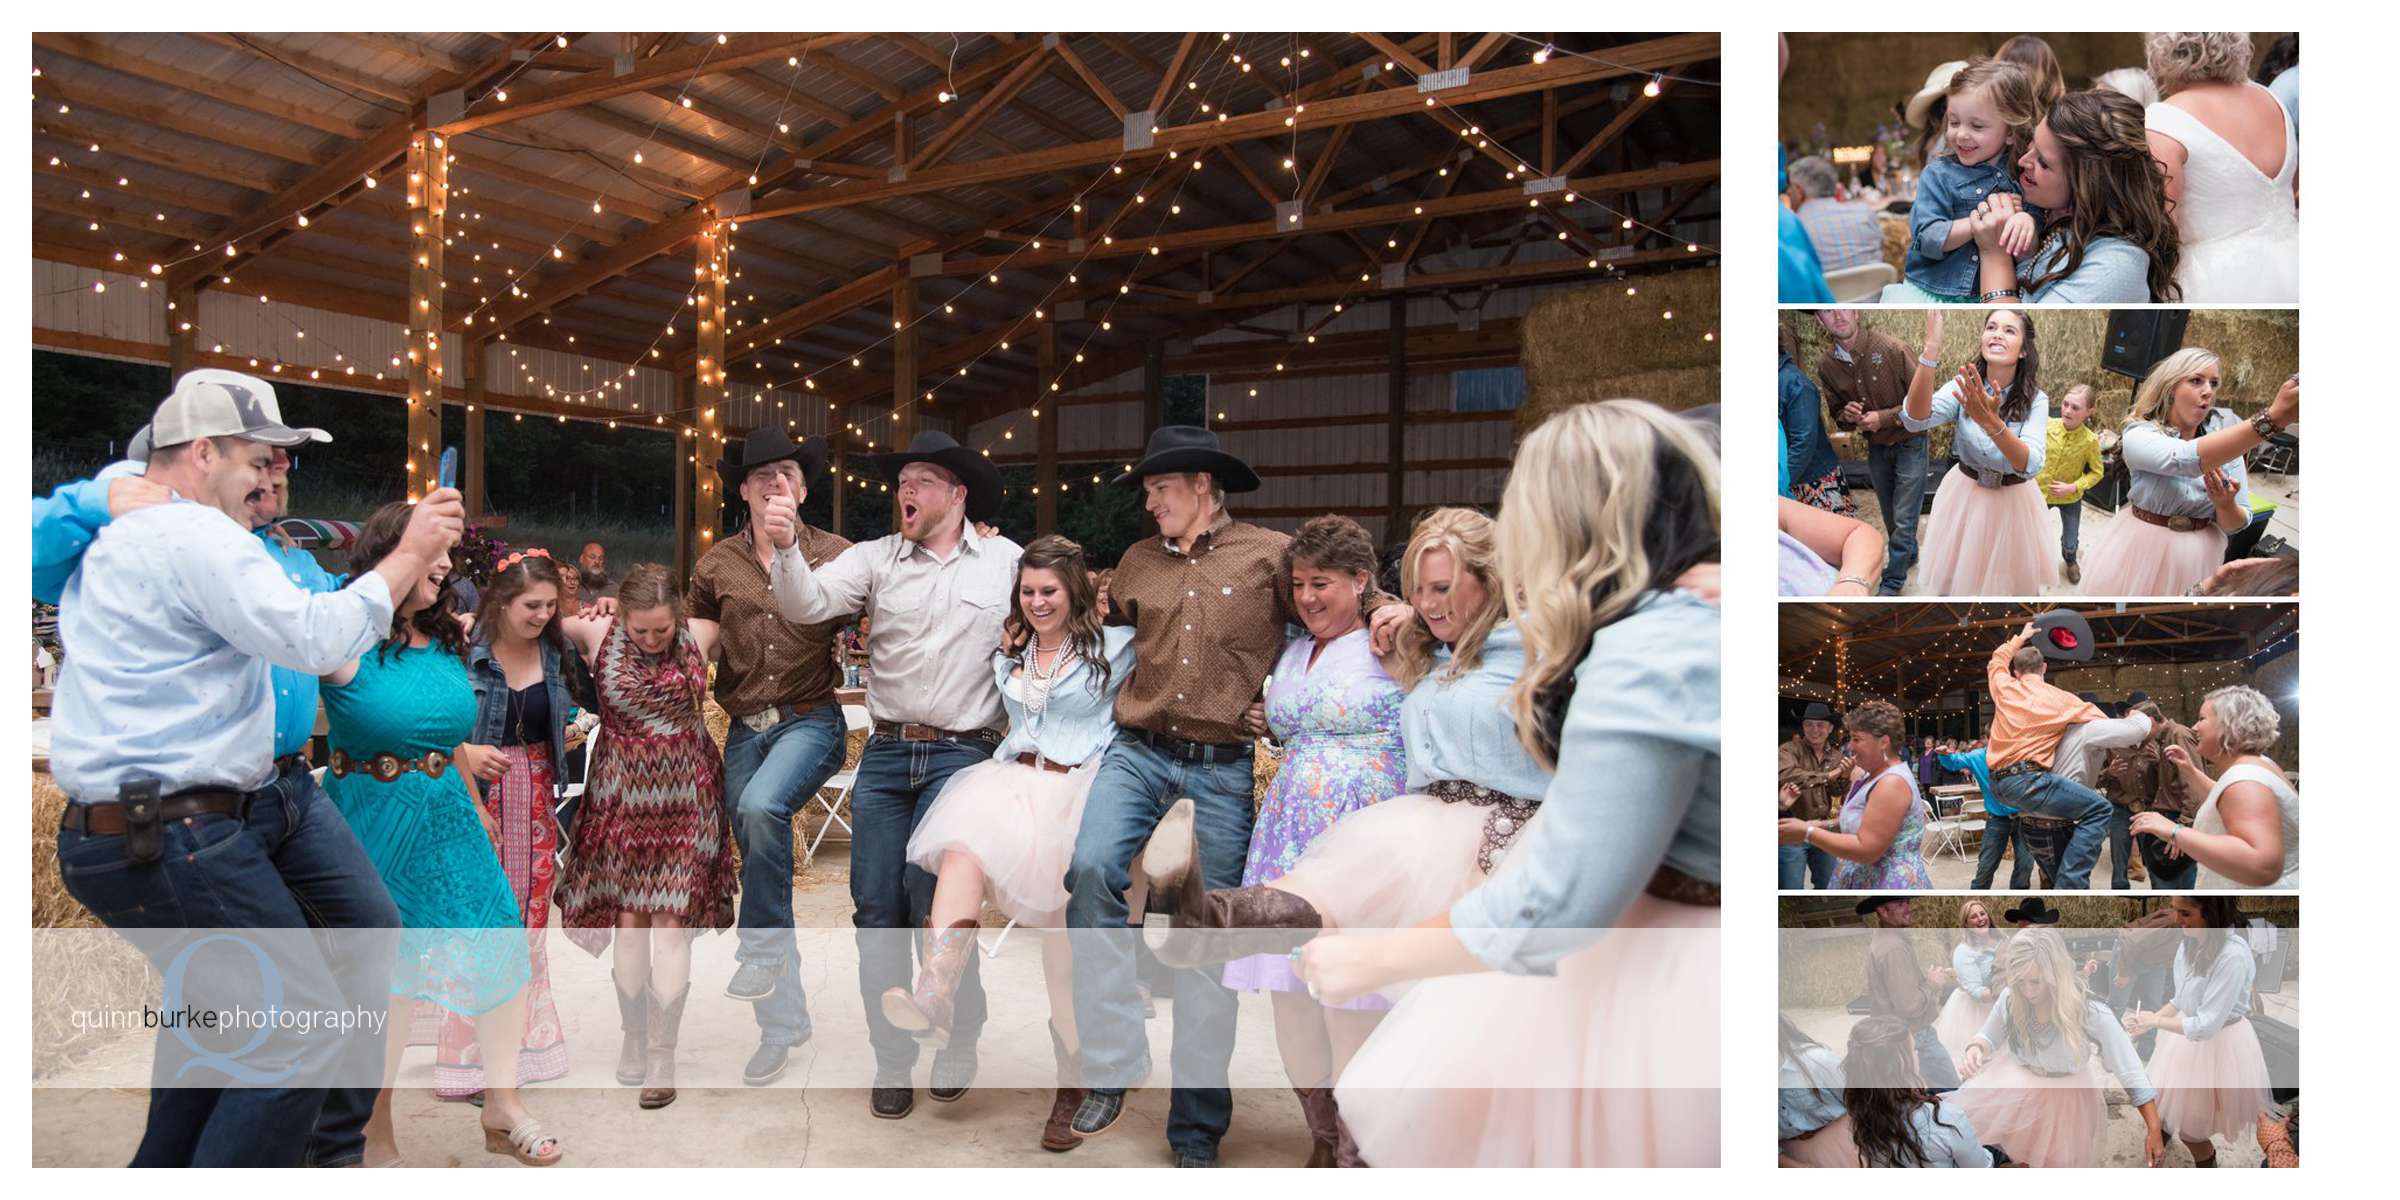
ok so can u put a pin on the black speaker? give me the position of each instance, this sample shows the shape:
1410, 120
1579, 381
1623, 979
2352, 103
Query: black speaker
2138, 338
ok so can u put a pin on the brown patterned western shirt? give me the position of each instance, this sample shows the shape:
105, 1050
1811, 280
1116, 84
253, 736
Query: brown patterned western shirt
764, 661
1208, 627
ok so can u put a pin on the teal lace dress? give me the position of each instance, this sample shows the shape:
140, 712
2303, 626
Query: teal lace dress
462, 944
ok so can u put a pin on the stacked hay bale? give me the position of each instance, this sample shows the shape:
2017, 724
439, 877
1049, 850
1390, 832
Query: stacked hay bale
1598, 343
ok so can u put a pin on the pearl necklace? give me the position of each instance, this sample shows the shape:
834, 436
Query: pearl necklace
1037, 681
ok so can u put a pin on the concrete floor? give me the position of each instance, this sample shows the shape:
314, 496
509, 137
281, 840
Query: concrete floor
816, 1115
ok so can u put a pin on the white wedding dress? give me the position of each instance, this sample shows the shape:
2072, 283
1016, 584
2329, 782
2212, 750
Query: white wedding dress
2240, 229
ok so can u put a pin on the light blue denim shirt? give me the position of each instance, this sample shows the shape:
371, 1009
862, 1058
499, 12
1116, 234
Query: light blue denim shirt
1636, 785
1974, 447
1810, 1092
2210, 1001
2165, 468
2113, 271
1948, 191
1080, 720
2287, 91
2049, 1054
170, 626
1461, 728
1974, 969
1946, 1135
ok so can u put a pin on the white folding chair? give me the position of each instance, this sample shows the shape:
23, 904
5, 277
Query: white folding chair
834, 795
1958, 840
1852, 285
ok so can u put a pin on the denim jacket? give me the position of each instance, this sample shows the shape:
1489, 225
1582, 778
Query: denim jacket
492, 693
1806, 447
1947, 192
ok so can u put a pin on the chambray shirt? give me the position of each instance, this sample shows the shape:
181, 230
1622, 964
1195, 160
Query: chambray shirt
1806, 447
2208, 1002
2113, 271
1974, 447
1636, 785
1974, 967
2047, 1053
1081, 717
1946, 1135
1461, 728
2165, 468
1947, 192
170, 626
1810, 1090
935, 621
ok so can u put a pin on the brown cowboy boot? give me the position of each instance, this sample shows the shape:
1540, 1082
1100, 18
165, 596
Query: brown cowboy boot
926, 1011
1173, 862
633, 1017
1324, 1125
1058, 1133
666, 1024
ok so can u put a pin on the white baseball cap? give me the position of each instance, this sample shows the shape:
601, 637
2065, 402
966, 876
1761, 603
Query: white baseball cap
215, 403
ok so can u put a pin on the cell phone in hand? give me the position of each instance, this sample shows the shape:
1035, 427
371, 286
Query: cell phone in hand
447, 472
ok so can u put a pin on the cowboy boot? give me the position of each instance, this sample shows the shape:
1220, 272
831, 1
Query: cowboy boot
1058, 1133
926, 1011
633, 1017
1324, 1125
1173, 862
1345, 1147
666, 1023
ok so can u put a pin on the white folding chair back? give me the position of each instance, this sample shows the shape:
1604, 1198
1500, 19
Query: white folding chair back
834, 795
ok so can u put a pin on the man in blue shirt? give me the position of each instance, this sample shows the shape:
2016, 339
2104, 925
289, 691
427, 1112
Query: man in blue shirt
1999, 829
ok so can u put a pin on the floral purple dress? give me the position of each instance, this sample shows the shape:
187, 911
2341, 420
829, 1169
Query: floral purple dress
1339, 722
1902, 867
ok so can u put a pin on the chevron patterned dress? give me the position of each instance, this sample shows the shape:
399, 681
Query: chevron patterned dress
651, 835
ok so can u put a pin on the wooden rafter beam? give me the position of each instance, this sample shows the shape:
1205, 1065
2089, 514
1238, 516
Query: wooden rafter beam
1616, 125
1100, 90
123, 61
977, 113
736, 52
1167, 77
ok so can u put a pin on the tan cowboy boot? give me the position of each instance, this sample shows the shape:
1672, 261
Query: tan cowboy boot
1324, 1125
1058, 1133
926, 1011
666, 1024
633, 1017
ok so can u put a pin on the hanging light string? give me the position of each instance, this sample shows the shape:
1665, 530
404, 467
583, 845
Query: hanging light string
1547, 50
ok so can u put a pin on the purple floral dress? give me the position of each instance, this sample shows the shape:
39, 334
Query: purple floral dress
1339, 722
1902, 867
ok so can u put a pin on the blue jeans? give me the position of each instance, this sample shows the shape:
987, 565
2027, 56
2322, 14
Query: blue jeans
2120, 847
288, 861
1999, 831
897, 782
769, 778
2167, 874
2045, 794
1897, 473
1135, 786
2070, 528
1792, 862
1933, 1062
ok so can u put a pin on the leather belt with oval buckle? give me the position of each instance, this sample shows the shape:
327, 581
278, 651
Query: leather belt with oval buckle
2178, 524
387, 767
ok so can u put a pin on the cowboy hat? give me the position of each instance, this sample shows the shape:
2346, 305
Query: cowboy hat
1871, 903
1936, 83
1176, 449
771, 445
981, 477
2033, 912
2062, 635
1816, 711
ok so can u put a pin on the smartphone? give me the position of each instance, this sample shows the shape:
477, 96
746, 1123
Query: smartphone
448, 471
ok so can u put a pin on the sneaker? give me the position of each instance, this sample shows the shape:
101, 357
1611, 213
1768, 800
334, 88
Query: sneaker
767, 1064
755, 980
1099, 1110
953, 1073
1195, 1156
2073, 573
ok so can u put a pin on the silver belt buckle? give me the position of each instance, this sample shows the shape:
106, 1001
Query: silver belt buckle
763, 720
1983, 478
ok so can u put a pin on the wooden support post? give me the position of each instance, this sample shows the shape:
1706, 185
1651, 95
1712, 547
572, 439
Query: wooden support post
1045, 407
1395, 479
428, 204
708, 388
183, 332
470, 478
1154, 386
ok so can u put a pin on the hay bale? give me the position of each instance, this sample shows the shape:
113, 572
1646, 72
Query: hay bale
53, 908
1597, 343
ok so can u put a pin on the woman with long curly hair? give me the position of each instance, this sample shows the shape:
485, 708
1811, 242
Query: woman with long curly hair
2033, 1072
1812, 1126
1613, 887
1895, 1119
2108, 238
2210, 1071
392, 719
1002, 831
2189, 492
1989, 532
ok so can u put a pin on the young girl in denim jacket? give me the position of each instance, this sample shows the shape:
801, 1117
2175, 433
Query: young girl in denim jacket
1991, 112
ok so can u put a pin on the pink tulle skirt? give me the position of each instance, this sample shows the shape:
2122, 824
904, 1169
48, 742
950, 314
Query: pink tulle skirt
2132, 557
1981, 541
1497, 1070
1391, 865
1018, 823
2040, 1120
1832, 1146
2210, 1087
1960, 1020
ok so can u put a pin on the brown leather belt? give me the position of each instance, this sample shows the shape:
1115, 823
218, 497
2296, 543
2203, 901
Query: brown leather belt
107, 818
388, 767
2178, 524
910, 731
1671, 884
1036, 761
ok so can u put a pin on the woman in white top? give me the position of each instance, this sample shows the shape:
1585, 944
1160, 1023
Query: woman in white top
2232, 160
2247, 833
2210, 1073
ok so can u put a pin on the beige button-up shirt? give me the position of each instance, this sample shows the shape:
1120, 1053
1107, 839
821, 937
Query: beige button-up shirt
933, 622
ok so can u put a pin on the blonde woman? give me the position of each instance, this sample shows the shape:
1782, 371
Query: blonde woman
2247, 832
2189, 490
2033, 1072
1971, 960
1609, 506
2231, 156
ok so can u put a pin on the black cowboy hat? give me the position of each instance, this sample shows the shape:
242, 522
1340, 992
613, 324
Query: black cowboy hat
2062, 635
2135, 697
2092, 698
771, 445
1175, 449
980, 475
2032, 911
1816, 711
1871, 903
